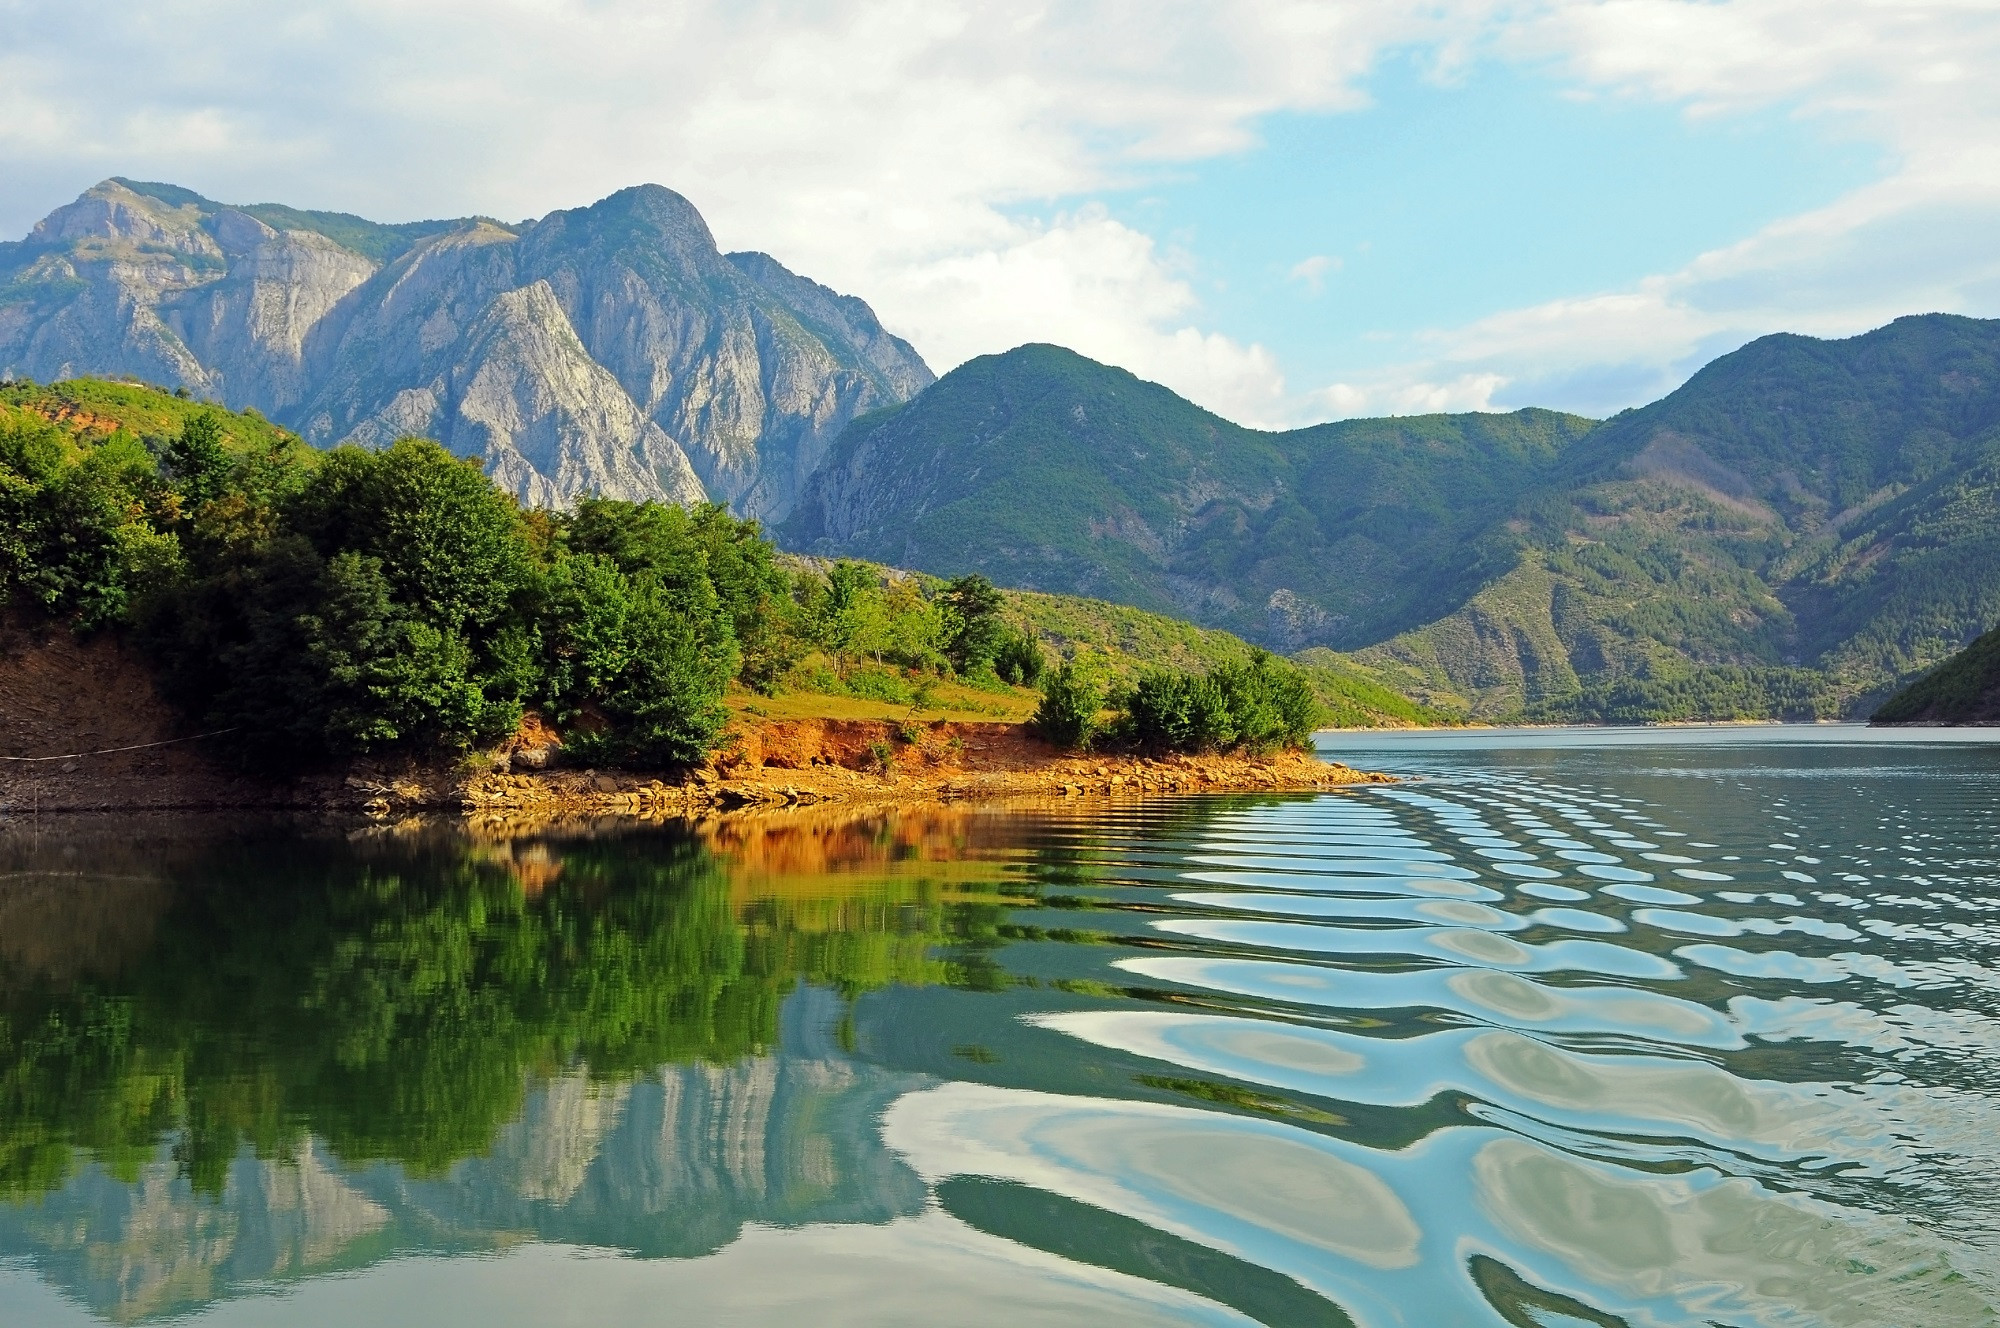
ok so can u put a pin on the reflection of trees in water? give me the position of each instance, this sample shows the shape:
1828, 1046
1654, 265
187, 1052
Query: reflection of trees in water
210, 1040
395, 995
575, 1036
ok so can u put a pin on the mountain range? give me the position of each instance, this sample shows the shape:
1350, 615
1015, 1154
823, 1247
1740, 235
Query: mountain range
609, 349
1799, 527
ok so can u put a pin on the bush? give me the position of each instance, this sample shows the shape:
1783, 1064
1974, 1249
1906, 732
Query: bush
879, 685
1271, 703
1177, 712
1261, 706
1067, 715
1019, 660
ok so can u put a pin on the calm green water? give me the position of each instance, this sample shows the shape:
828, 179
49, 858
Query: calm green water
1665, 1028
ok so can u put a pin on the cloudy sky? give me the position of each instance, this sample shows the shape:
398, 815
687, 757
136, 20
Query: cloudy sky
1287, 211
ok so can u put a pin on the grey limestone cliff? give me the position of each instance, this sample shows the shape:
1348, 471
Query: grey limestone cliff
611, 349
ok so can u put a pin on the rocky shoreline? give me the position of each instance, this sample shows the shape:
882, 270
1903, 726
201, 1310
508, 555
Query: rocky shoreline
116, 746
853, 762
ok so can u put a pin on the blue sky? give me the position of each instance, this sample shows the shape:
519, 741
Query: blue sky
1496, 202
1339, 239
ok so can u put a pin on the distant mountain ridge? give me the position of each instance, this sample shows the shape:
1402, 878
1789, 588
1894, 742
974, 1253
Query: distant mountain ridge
1043, 468
1794, 530
610, 349
1801, 526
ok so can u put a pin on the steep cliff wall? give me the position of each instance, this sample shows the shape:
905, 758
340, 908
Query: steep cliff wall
611, 349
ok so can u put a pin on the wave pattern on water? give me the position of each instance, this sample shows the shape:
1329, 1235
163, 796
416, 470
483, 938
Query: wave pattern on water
1655, 1068
1686, 1031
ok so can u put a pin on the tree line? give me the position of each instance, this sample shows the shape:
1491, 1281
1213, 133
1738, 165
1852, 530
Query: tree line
314, 605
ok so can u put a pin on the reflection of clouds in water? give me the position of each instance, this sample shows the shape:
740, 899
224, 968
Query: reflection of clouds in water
1724, 1250
1616, 1095
1351, 1222
1487, 995
1293, 1201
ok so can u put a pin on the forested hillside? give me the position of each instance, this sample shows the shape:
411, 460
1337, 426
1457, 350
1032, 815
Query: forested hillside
1965, 689
307, 606
1795, 530
1800, 526
1042, 468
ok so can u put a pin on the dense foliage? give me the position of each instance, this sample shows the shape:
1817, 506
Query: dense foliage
1068, 713
1965, 689
1258, 705
320, 604
313, 605
1831, 506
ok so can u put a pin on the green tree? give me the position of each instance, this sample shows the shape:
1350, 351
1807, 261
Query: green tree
975, 632
1067, 715
642, 666
195, 459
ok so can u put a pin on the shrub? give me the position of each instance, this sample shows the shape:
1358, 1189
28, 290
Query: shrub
1271, 703
875, 684
1067, 715
621, 650
1262, 705
1177, 712
1019, 659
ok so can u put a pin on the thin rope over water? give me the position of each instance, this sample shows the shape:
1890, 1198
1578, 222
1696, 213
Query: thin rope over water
106, 751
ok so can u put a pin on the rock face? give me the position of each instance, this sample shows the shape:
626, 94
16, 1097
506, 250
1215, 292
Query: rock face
611, 349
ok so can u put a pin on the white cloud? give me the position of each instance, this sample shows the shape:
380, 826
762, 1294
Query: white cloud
1399, 395
887, 147
1917, 78
1311, 272
894, 147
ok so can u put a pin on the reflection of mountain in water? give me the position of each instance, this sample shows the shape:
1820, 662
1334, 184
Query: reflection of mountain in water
147, 1244
675, 1163
671, 1164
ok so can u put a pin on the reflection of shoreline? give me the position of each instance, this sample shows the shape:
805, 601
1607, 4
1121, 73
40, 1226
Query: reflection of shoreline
673, 1163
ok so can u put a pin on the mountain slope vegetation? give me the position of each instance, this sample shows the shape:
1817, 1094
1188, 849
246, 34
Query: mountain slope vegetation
1965, 689
1041, 468
1799, 527
305, 606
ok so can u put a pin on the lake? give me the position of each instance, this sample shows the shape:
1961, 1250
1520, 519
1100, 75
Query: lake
1574, 1027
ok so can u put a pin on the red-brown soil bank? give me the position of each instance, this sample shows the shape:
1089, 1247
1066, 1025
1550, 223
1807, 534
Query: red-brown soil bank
60, 696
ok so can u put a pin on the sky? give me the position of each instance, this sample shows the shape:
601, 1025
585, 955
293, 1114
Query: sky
1286, 211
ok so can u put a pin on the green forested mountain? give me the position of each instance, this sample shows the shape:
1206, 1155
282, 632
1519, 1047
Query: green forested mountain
1042, 468
1965, 689
1800, 526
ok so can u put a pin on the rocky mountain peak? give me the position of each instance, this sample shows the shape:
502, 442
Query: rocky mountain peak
111, 211
603, 349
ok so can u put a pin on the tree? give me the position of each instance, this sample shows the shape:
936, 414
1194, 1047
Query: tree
627, 657
1067, 715
197, 462
975, 632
